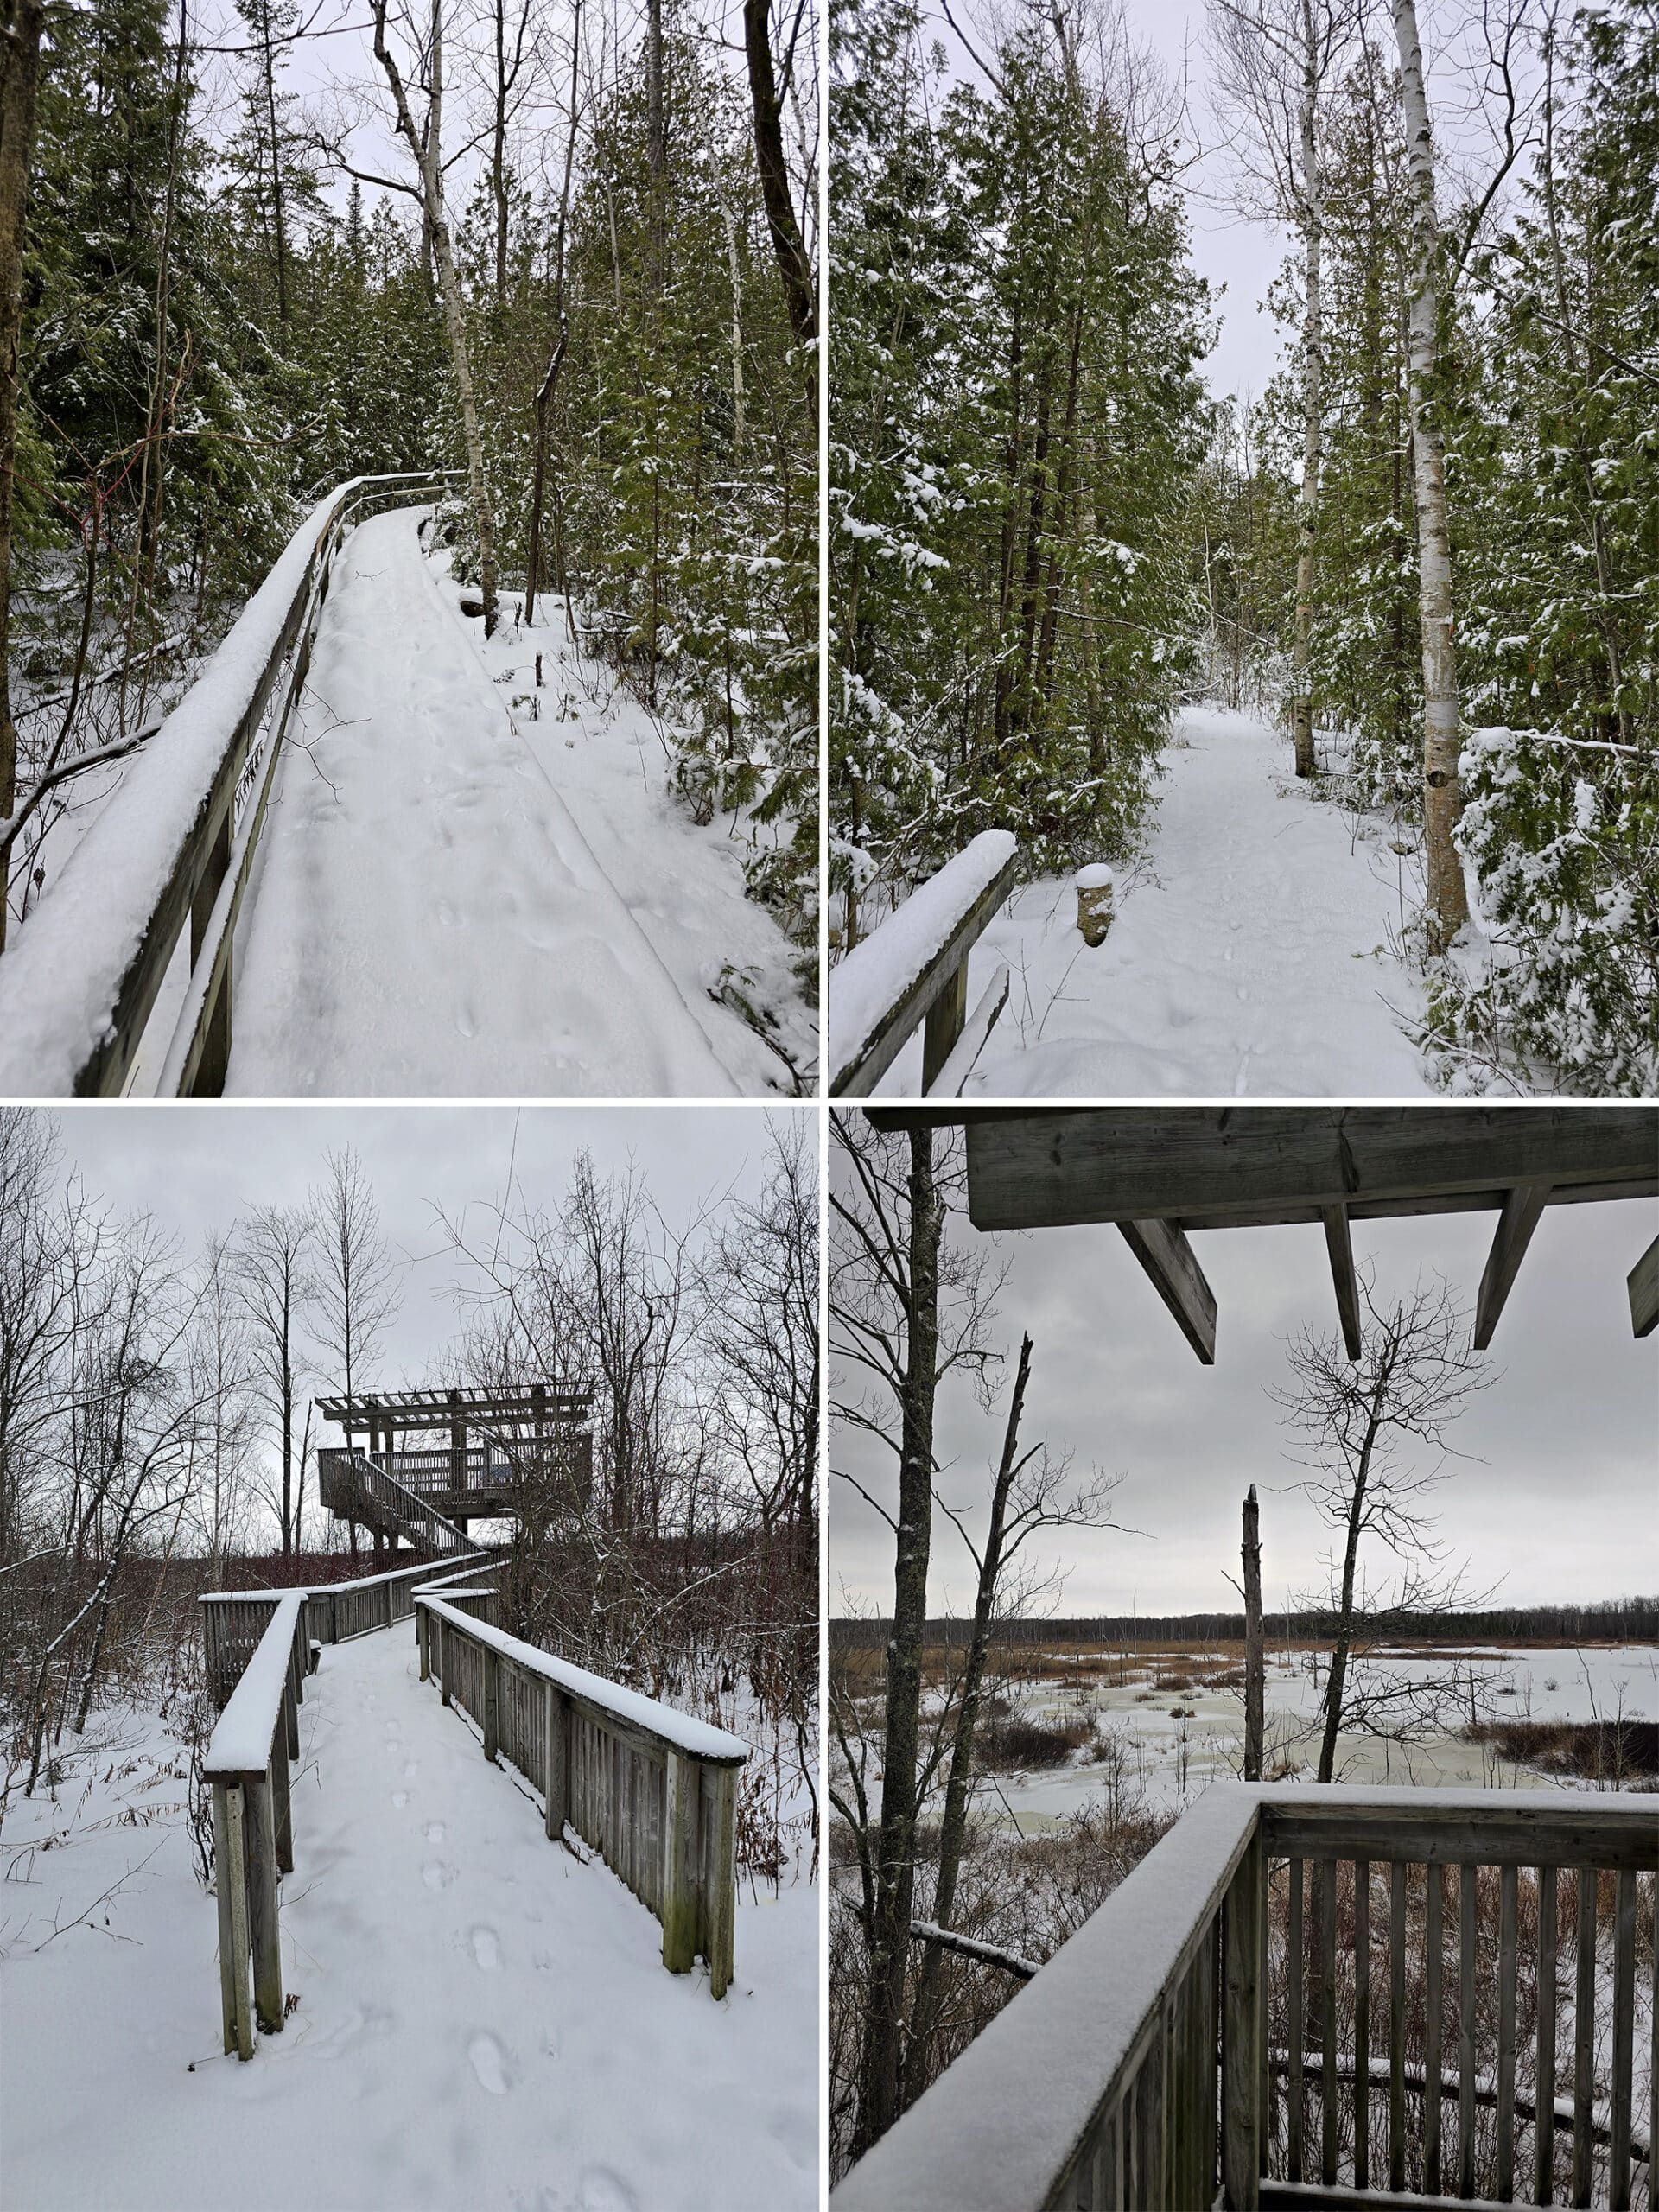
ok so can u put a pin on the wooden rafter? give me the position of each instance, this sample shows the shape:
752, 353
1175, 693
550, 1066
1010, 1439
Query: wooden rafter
1178, 1278
1523, 1209
1643, 1286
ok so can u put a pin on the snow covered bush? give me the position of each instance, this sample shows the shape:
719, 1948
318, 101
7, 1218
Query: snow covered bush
1561, 846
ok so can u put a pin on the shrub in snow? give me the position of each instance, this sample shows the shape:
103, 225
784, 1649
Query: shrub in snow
1561, 847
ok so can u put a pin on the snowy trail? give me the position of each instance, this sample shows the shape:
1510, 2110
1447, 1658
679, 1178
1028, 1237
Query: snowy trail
426, 918
1250, 959
483, 2021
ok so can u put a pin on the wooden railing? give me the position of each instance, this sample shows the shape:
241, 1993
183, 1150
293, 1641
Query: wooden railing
80, 986
912, 969
246, 1763
352, 1478
1135, 2071
652, 1791
234, 1621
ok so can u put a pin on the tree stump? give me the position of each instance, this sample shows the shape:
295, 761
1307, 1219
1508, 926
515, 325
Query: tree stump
1095, 888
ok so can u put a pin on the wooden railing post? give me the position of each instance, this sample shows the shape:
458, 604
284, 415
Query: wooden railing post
491, 1717
1241, 2034
423, 1630
261, 1904
720, 1908
943, 1025
211, 1068
282, 1811
557, 1757
679, 1863
230, 1880
442, 1628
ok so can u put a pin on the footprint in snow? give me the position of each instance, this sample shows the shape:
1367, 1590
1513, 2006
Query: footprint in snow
489, 2064
399, 1799
487, 1950
438, 1874
410, 1769
433, 1831
600, 2190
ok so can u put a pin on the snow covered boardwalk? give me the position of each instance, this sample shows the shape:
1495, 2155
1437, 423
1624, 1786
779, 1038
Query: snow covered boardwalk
482, 2020
425, 917
1252, 959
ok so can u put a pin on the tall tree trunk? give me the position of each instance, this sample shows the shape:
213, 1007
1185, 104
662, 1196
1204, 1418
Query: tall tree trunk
1255, 1650
20, 72
545, 389
1313, 197
1342, 1645
656, 146
428, 155
793, 267
953, 1828
736, 268
498, 151
1448, 905
278, 218
888, 1933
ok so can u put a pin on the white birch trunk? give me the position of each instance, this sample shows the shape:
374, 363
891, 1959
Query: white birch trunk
1448, 904
428, 161
1313, 211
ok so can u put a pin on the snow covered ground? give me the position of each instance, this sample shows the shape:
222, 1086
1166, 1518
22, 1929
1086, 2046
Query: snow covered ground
483, 2021
1167, 1760
428, 915
1250, 955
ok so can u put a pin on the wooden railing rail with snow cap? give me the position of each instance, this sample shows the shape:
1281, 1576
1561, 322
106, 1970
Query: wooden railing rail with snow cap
651, 1791
234, 1621
1133, 2073
81, 981
246, 1766
912, 969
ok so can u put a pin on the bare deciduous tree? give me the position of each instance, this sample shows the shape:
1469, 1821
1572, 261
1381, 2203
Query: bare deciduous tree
275, 1256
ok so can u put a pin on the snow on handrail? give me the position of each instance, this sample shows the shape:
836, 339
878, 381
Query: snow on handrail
78, 984
887, 983
241, 1741
427, 1567
676, 1730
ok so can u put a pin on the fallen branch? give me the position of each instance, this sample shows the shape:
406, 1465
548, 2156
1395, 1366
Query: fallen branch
987, 1955
1416, 2078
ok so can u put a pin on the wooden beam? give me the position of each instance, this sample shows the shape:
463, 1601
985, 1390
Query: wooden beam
1522, 1211
1643, 1286
1178, 1280
1340, 1246
1046, 1168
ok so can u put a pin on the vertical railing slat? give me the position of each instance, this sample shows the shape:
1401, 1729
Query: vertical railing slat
1329, 2109
1584, 2041
1294, 1974
1468, 1929
1397, 2026
1362, 2023
1506, 1973
1619, 2154
1433, 1940
1543, 2148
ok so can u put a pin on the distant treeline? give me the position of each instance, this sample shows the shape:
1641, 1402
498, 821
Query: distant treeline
1624, 1619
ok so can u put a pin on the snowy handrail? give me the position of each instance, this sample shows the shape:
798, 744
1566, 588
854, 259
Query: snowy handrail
246, 1762
913, 967
234, 1621
79, 984
1133, 2069
651, 1791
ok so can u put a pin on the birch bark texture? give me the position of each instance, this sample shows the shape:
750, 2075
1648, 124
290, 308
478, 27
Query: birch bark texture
1447, 897
427, 154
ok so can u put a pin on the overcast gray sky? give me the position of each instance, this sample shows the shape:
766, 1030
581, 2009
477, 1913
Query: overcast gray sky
1563, 1502
197, 1168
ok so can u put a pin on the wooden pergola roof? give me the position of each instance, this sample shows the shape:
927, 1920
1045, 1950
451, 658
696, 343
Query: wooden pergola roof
418, 1410
1161, 1173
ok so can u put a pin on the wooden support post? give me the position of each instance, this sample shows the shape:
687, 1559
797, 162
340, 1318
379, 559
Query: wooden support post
1168, 1259
282, 1806
1255, 1646
423, 1619
943, 1025
1295, 1966
556, 1756
491, 1717
457, 1443
1543, 2149
1340, 1246
230, 1883
1434, 1941
722, 1904
1584, 2041
1468, 1933
1523, 1208
291, 1715
1623, 2084
442, 1628
1241, 2031
679, 1863
1362, 2023
262, 1904
1643, 1284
